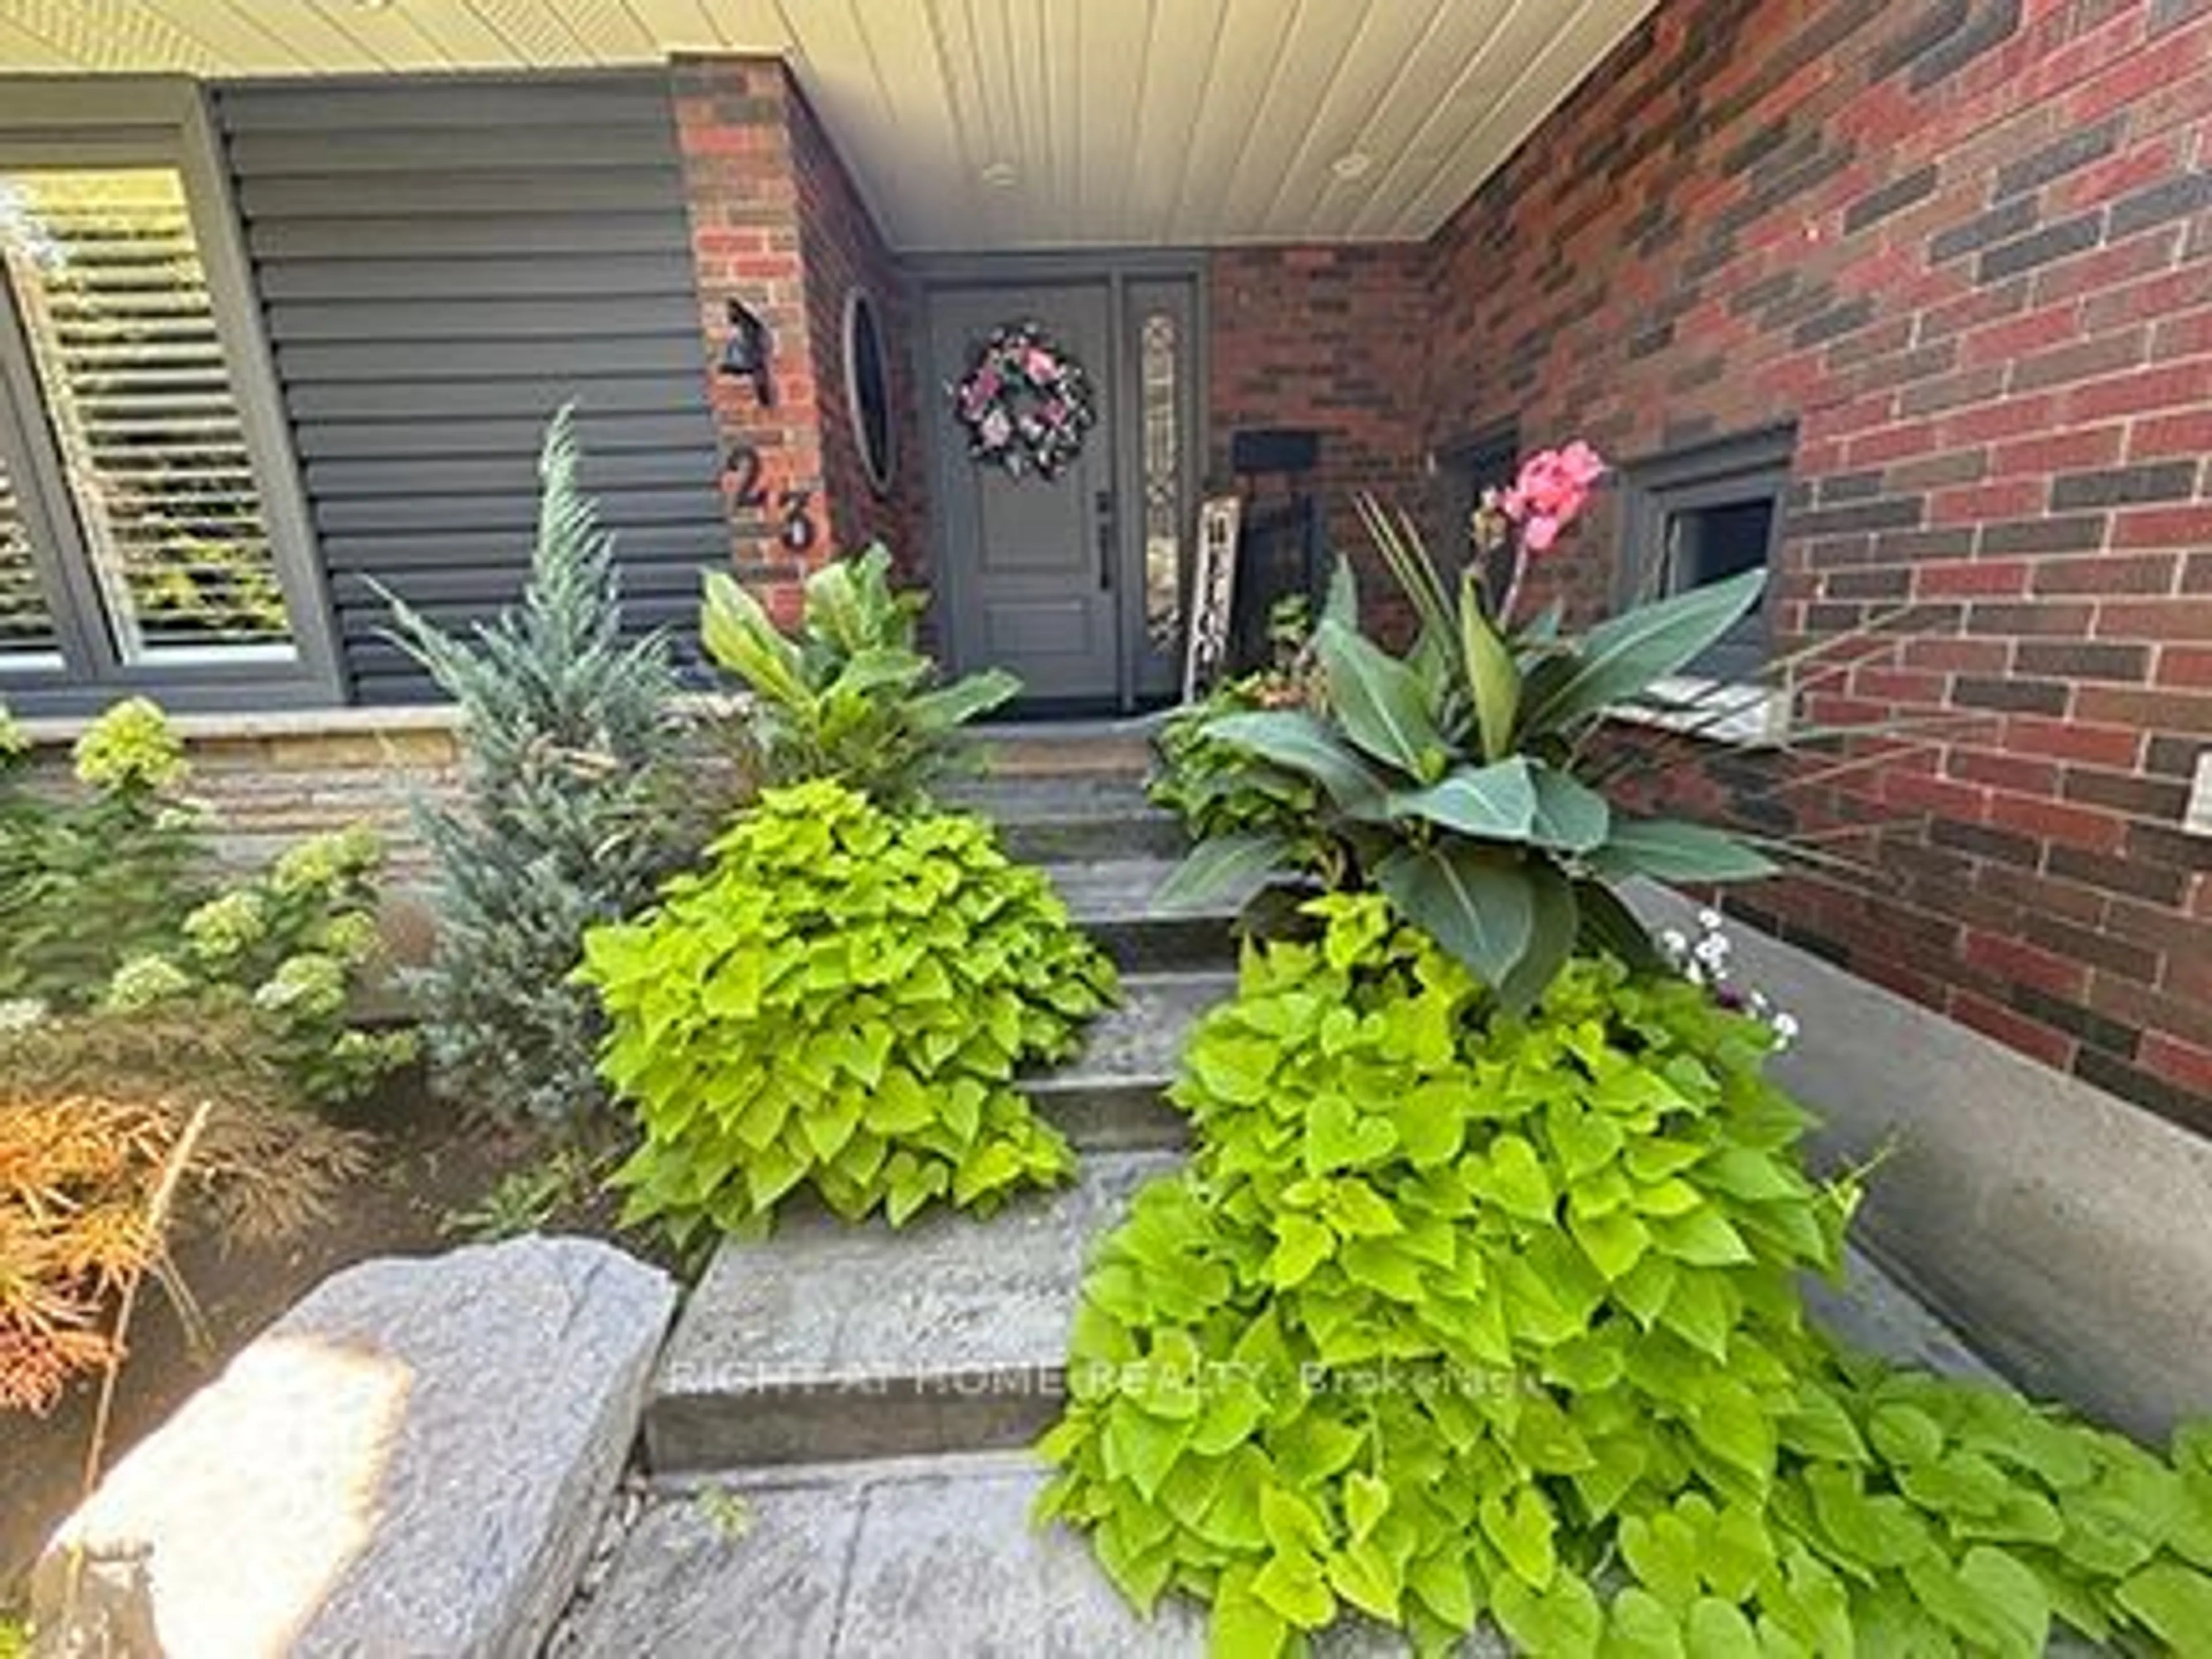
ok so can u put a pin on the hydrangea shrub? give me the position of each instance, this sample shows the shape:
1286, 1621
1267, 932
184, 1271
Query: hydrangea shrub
110, 902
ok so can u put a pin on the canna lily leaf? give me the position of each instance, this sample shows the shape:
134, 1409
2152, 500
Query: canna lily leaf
1398, 545
1224, 866
876, 667
739, 635
1554, 920
1570, 816
1490, 803
1621, 656
836, 607
1606, 924
1492, 674
964, 700
1342, 604
1479, 907
1381, 703
1673, 849
1297, 741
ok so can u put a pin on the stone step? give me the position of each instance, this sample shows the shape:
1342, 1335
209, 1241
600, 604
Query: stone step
1112, 901
1111, 1097
827, 1342
1073, 836
883, 1556
1119, 747
1068, 820
873, 1560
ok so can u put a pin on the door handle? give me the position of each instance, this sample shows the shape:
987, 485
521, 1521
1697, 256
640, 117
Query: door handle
1102, 506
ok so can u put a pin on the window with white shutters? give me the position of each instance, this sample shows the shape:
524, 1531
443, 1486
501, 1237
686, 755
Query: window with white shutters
139, 550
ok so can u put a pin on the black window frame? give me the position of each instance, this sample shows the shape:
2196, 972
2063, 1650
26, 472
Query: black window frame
1713, 472
154, 122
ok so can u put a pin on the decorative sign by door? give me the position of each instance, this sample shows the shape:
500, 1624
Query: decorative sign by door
1213, 592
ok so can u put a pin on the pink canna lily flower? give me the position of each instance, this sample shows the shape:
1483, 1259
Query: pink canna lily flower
1550, 494
1554, 488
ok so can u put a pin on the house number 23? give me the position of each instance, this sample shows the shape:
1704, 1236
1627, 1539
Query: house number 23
794, 508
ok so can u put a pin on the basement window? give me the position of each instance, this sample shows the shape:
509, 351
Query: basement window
1702, 514
150, 536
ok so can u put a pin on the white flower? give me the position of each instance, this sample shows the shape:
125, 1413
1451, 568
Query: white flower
1709, 919
1785, 1027
1673, 942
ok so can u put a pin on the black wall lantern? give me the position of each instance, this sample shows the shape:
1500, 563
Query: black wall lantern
747, 353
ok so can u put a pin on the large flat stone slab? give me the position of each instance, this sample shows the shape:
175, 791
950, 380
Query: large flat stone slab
870, 1561
1112, 1096
827, 1341
409, 1463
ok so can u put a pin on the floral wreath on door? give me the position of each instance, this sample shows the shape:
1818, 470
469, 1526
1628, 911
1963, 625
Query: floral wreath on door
1025, 402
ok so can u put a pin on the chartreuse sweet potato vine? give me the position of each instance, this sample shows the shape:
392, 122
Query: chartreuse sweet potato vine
841, 999
1458, 1313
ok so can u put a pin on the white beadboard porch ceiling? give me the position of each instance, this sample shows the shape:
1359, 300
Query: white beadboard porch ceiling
992, 123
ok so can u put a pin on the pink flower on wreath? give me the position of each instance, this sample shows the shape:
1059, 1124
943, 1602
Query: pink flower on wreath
1553, 487
980, 391
1038, 365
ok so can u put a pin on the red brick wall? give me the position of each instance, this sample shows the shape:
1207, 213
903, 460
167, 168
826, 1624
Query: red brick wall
1330, 338
776, 222
840, 250
1967, 248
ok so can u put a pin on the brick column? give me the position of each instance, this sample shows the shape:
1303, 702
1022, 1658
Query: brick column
778, 223
734, 132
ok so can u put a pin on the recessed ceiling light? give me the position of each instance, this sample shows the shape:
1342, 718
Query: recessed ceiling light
1352, 165
1001, 175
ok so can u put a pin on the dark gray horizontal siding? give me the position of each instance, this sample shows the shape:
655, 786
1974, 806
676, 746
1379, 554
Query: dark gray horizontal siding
442, 264
339, 441
508, 234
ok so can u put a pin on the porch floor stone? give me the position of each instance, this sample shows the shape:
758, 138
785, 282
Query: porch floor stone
871, 1561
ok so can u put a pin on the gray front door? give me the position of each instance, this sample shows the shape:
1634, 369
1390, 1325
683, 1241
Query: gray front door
1031, 566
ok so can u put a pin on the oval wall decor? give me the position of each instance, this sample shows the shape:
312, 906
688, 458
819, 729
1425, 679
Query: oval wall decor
867, 389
